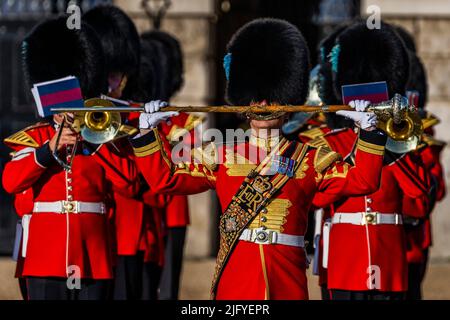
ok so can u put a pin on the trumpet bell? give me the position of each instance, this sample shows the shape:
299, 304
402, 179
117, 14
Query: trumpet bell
402, 146
403, 136
401, 122
100, 126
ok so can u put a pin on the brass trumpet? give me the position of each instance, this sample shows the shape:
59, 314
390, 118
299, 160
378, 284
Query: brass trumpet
99, 121
96, 123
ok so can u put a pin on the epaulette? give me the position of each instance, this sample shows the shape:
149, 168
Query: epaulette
22, 138
312, 133
207, 155
193, 121
176, 132
319, 142
432, 141
324, 158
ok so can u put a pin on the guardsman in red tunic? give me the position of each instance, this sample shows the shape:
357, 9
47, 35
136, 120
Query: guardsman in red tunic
176, 216
417, 214
321, 89
167, 51
367, 253
266, 185
384, 245
121, 46
418, 211
67, 233
160, 77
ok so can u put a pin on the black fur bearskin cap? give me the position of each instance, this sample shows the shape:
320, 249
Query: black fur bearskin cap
268, 59
368, 55
325, 80
325, 75
172, 48
118, 36
51, 51
418, 79
406, 37
148, 83
417, 74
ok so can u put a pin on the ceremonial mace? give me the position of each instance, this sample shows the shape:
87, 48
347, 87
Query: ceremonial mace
99, 121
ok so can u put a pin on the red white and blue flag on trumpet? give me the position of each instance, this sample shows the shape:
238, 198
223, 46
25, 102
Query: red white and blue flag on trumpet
375, 92
64, 92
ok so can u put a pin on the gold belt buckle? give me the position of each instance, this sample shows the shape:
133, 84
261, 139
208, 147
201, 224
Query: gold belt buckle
70, 207
371, 218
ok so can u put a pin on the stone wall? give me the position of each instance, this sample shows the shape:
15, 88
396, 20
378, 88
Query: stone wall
190, 21
429, 22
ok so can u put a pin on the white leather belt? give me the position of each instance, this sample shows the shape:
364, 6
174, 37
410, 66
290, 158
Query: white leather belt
261, 236
25, 228
363, 218
69, 207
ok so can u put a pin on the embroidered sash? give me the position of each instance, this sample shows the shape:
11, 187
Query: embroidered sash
255, 193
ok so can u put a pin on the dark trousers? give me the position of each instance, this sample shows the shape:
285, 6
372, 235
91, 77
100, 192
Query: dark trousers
40, 288
134, 279
23, 288
170, 278
416, 274
151, 278
365, 295
414, 282
325, 292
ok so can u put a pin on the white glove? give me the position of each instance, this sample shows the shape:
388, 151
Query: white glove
359, 105
364, 120
151, 117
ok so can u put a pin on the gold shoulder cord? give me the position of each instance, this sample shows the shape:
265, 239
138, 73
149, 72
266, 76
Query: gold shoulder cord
324, 157
313, 133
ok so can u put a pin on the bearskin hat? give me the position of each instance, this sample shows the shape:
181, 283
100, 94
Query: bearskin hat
406, 37
363, 55
418, 79
51, 51
152, 80
118, 36
325, 75
325, 79
174, 54
268, 59
417, 74
145, 85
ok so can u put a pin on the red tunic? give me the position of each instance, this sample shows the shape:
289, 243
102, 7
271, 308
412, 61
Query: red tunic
257, 271
152, 240
127, 209
354, 248
316, 130
143, 228
133, 221
177, 209
60, 240
420, 238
